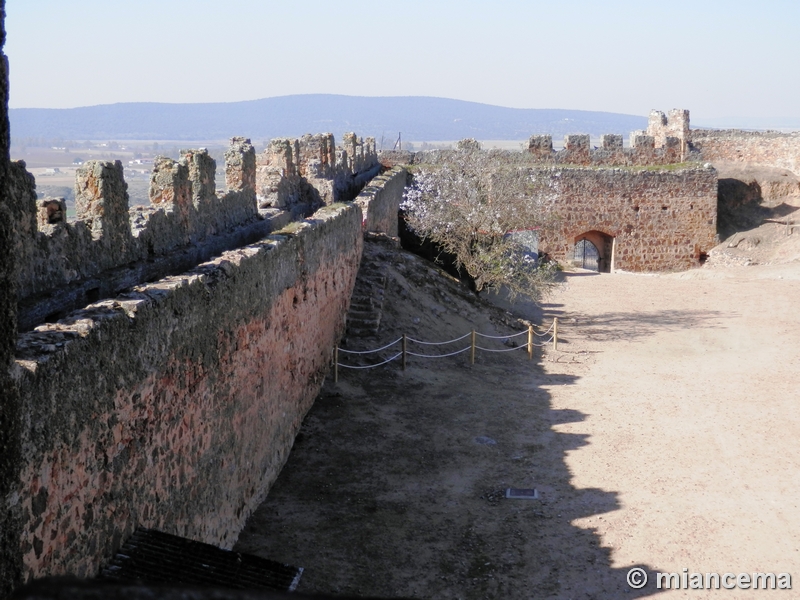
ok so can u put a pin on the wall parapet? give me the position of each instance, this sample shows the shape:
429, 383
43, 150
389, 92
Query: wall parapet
185, 209
660, 219
380, 201
577, 151
174, 406
302, 174
110, 246
760, 148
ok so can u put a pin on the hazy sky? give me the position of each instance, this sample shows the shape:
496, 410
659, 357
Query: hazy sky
719, 58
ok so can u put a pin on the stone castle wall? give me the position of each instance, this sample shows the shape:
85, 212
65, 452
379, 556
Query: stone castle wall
759, 148
674, 124
577, 151
10, 560
380, 201
174, 406
185, 209
63, 265
662, 219
301, 174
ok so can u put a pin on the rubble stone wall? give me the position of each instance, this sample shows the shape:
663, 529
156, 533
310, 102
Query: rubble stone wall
302, 174
10, 559
760, 148
674, 124
662, 219
380, 201
577, 151
174, 406
185, 209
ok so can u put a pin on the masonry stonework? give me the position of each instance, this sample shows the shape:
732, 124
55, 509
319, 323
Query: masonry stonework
172, 404
10, 451
674, 124
578, 151
380, 201
657, 220
758, 148
302, 174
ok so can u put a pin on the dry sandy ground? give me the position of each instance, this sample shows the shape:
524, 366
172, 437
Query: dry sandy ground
664, 433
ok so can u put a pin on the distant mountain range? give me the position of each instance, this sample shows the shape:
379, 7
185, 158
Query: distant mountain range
751, 123
418, 118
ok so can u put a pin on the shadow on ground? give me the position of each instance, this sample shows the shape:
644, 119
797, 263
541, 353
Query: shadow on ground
396, 485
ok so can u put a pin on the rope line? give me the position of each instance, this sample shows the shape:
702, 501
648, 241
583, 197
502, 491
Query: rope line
388, 360
503, 350
458, 339
501, 337
371, 351
473, 346
439, 355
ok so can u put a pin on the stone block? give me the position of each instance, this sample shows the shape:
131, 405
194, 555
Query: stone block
101, 201
612, 141
240, 166
51, 211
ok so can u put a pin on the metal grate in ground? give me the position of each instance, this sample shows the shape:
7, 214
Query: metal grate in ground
152, 557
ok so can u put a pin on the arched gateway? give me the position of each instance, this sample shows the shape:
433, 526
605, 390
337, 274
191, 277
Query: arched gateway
593, 251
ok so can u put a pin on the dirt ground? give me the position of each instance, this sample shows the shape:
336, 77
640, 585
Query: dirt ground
663, 433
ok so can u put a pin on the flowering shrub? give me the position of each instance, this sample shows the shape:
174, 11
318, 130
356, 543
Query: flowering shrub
468, 200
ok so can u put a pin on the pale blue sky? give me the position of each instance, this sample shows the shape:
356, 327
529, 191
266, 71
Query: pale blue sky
718, 58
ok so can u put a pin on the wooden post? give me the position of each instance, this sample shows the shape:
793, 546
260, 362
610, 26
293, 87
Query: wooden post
530, 342
555, 333
404, 352
472, 351
336, 364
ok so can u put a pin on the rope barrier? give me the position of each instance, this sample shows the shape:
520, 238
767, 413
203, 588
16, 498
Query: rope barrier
472, 347
525, 347
440, 355
370, 351
458, 339
388, 360
501, 337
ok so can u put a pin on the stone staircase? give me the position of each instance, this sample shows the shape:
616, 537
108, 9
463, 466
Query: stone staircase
366, 305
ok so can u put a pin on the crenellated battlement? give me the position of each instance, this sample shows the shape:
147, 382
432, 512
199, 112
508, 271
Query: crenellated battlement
674, 124
301, 174
110, 246
643, 151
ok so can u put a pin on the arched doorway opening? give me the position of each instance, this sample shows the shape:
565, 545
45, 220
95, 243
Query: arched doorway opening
594, 251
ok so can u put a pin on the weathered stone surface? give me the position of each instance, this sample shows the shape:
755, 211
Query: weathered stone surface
240, 166
380, 201
303, 174
185, 209
757, 148
175, 406
51, 211
578, 151
675, 125
612, 141
10, 415
101, 202
662, 219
